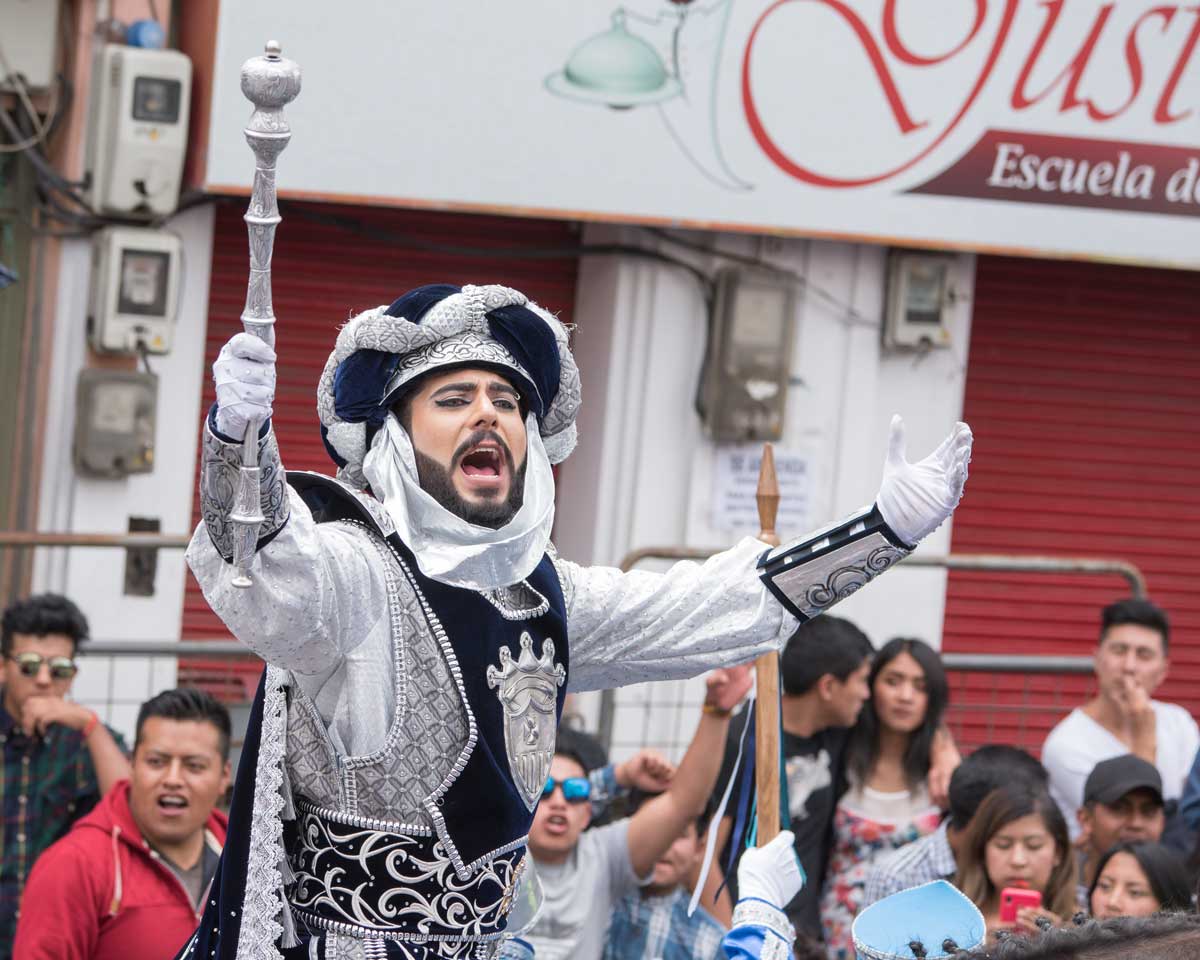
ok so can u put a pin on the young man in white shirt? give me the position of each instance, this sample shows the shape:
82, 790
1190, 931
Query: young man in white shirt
1131, 663
583, 875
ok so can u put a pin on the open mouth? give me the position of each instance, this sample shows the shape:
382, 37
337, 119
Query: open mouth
556, 824
172, 804
483, 462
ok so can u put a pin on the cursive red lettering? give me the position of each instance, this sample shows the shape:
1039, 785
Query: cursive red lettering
1162, 112
1072, 72
789, 166
1133, 58
870, 48
898, 49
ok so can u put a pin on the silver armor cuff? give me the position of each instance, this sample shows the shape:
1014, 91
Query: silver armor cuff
810, 575
220, 463
758, 913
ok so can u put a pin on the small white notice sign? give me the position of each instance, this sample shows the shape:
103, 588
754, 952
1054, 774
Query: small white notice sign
735, 479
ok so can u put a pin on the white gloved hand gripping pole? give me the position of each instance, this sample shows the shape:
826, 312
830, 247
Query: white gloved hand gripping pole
270, 83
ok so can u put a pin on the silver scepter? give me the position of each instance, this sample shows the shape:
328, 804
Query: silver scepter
270, 83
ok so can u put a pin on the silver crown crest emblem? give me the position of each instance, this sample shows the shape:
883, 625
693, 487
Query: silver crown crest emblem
528, 691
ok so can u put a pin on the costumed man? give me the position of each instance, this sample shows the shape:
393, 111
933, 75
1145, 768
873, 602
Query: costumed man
421, 634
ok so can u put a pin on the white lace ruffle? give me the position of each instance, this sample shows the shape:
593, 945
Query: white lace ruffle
262, 905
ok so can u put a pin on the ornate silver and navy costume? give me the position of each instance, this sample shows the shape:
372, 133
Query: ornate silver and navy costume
405, 724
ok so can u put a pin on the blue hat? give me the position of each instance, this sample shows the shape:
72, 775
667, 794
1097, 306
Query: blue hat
929, 914
381, 351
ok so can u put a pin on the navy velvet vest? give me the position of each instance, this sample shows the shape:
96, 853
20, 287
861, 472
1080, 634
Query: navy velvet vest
484, 809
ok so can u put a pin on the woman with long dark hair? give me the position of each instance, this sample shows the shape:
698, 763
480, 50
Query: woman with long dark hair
886, 804
1018, 838
1137, 880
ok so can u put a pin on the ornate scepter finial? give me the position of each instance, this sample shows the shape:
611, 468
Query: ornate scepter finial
270, 83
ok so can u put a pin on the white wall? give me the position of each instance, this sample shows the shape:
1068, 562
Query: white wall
94, 578
643, 473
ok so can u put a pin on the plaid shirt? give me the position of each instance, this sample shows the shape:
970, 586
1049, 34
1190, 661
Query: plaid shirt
48, 784
658, 928
922, 861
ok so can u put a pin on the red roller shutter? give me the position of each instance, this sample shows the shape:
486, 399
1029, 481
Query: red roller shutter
1084, 396
324, 274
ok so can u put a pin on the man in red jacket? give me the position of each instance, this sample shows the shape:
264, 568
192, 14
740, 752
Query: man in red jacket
130, 878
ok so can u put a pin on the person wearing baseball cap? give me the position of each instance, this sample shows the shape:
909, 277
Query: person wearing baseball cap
1122, 803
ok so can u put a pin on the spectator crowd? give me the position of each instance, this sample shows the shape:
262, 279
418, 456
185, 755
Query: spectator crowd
109, 851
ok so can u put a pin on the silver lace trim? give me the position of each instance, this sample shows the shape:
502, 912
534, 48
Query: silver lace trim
470, 947
517, 602
339, 946
464, 348
815, 585
262, 904
357, 784
220, 463
364, 823
435, 799
759, 913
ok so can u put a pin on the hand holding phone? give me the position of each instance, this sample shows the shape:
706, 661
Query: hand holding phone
1013, 899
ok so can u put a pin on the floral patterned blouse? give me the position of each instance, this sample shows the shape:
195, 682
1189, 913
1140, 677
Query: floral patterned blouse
868, 824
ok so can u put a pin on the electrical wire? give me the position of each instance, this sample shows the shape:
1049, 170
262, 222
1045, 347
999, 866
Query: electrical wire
853, 316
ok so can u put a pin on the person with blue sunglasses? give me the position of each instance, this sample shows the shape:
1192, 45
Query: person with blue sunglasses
585, 873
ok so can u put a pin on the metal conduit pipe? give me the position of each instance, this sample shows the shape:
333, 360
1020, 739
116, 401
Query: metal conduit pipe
981, 662
158, 541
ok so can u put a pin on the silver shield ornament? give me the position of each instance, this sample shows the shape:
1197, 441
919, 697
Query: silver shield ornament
528, 691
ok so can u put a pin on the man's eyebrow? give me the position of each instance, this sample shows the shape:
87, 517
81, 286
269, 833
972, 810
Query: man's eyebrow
499, 386
460, 387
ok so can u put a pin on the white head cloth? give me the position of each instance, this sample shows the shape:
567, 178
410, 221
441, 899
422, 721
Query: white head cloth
448, 548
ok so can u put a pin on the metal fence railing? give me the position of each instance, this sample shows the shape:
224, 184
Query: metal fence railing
994, 698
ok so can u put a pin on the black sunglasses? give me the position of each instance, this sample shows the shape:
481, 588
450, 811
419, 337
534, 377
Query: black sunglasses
30, 665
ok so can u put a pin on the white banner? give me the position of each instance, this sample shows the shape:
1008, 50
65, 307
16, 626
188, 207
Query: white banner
1056, 127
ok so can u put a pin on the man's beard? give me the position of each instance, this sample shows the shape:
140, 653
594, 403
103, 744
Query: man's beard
436, 481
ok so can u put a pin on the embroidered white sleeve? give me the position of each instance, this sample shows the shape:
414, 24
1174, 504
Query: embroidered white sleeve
318, 591
629, 627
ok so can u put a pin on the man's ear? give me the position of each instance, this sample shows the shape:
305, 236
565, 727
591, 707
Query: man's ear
226, 777
826, 686
1084, 816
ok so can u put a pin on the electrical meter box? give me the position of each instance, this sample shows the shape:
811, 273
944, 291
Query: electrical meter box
749, 351
134, 293
115, 413
918, 301
30, 28
137, 130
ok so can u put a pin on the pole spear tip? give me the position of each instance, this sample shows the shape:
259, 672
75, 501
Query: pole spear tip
767, 497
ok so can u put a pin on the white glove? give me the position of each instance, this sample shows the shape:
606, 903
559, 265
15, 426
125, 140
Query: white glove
244, 374
916, 498
772, 873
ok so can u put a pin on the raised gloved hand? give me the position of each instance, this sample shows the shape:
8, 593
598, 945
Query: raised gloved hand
244, 374
771, 873
916, 498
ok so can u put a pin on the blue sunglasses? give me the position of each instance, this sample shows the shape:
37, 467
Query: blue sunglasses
574, 789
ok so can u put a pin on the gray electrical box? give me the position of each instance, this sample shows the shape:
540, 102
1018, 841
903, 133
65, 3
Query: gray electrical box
115, 412
749, 352
29, 29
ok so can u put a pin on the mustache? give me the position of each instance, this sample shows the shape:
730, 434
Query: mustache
478, 437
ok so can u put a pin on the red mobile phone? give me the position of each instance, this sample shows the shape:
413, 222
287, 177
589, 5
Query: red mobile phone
1013, 899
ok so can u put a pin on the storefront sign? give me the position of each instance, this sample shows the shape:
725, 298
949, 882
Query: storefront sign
1047, 127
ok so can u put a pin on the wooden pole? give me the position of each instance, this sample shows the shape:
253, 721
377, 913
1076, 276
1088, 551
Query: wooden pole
766, 670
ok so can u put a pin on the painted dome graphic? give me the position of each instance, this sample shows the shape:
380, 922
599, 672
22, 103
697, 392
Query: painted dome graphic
615, 68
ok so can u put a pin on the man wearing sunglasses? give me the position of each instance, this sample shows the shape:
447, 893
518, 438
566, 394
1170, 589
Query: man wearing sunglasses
59, 759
